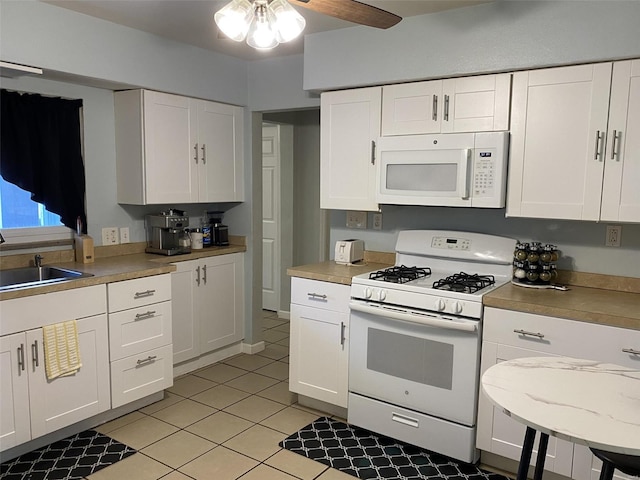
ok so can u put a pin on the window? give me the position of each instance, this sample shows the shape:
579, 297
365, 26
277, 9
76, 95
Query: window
17, 210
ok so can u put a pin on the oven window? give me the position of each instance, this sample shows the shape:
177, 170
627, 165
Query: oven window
415, 359
425, 177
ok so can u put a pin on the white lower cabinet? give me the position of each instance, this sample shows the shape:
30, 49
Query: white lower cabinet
508, 335
31, 405
140, 338
319, 351
208, 305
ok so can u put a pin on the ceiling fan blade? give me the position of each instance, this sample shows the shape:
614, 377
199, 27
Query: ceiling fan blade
352, 11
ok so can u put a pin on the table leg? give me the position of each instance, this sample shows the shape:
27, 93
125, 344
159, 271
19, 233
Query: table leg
525, 456
542, 453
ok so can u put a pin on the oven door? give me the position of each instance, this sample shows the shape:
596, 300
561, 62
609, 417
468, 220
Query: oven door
426, 170
422, 361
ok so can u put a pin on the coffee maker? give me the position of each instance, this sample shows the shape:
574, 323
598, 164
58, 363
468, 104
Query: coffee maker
167, 233
219, 231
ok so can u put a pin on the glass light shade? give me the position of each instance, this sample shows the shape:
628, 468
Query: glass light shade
289, 23
262, 32
234, 19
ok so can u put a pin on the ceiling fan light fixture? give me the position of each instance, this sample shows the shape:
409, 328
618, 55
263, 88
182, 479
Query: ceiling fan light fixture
289, 23
234, 19
262, 31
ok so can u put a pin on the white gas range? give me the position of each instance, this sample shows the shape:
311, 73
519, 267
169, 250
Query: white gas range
415, 333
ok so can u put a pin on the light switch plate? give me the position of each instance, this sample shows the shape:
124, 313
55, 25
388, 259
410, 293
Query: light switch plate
124, 235
356, 219
110, 236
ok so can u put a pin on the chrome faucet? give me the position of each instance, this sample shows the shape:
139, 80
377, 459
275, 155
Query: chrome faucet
37, 260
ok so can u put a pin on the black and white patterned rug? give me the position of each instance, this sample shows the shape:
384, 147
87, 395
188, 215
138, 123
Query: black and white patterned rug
364, 454
72, 458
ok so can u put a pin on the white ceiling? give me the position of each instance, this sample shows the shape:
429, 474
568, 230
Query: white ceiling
191, 21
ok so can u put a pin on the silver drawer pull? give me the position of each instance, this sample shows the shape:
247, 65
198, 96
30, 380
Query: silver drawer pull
147, 293
530, 334
631, 351
317, 296
142, 316
149, 359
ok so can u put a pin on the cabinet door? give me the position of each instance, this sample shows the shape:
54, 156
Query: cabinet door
15, 427
621, 191
67, 400
170, 160
184, 283
500, 434
412, 108
476, 104
319, 334
220, 131
220, 306
558, 135
349, 129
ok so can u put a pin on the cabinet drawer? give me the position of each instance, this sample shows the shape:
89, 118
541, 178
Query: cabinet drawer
139, 329
138, 292
140, 375
325, 295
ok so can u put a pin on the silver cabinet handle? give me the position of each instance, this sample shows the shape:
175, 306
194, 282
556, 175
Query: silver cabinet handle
317, 296
615, 154
34, 354
598, 153
446, 108
530, 334
204, 154
631, 351
342, 327
149, 359
204, 274
146, 293
21, 357
435, 107
195, 147
198, 276
142, 316
373, 152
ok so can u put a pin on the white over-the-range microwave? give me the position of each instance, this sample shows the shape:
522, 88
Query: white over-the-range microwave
453, 169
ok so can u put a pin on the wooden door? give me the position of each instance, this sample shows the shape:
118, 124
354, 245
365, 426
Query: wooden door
15, 427
271, 241
558, 130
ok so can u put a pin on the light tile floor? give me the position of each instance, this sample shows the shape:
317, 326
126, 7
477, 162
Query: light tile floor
222, 422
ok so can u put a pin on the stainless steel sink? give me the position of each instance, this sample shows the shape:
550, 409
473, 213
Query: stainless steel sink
36, 276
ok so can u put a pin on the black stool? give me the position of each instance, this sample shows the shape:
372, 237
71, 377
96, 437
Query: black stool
629, 464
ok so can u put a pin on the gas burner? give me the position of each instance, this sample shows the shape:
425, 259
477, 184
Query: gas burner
400, 274
464, 282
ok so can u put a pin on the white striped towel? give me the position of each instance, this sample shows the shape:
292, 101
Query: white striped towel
61, 349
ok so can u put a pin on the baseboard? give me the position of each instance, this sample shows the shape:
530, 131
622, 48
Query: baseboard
322, 406
207, 359
252, 348
284, 314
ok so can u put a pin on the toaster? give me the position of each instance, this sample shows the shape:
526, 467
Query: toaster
349, 251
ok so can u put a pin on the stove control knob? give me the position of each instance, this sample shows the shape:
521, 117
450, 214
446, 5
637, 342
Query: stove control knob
440, 305
457, 307
367, 292
383, 295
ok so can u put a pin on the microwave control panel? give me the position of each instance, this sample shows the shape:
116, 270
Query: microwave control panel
484, 172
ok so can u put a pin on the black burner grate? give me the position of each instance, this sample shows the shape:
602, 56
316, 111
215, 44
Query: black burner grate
400, 274
464, 282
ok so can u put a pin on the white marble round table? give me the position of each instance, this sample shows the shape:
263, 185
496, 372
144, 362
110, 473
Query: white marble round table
582, 401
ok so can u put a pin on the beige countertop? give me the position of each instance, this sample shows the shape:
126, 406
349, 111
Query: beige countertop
330, 271
595, 305
117, 268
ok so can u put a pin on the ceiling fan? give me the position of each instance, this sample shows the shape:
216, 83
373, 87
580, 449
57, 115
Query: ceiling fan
352, 11
266, 23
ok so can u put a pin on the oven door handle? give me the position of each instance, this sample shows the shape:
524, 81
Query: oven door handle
407, 316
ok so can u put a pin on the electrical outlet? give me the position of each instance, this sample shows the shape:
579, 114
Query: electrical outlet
356, 219
124, 235
614, 236
377, 221
110, 236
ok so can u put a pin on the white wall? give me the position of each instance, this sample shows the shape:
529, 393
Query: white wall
499, 36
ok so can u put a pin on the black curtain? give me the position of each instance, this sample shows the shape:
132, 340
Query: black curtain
40, 152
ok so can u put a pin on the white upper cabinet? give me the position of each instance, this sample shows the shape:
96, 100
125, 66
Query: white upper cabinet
467, 104
349, 130
173, 149
574, 153
621, 186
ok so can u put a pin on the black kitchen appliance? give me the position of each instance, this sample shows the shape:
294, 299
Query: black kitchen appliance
166, 234
219, 231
